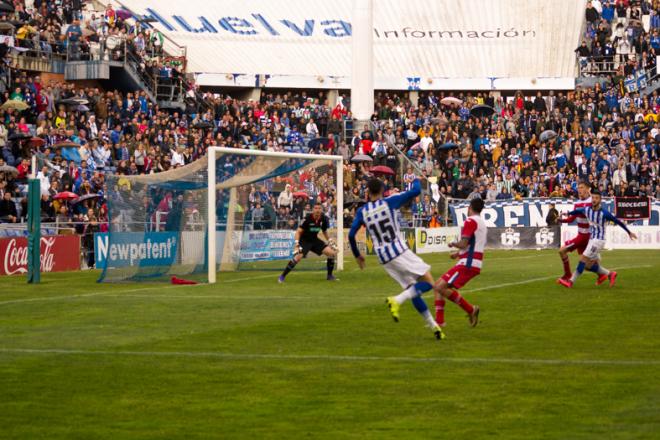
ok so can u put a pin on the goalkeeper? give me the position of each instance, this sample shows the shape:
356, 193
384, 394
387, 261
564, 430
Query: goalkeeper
307, 239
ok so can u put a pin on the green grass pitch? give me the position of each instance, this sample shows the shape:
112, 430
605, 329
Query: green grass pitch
249, 358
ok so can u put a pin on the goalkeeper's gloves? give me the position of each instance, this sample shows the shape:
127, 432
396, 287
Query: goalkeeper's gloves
297, 249
333, 244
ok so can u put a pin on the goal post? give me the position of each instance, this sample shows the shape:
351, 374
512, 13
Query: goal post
263, 166
231, 209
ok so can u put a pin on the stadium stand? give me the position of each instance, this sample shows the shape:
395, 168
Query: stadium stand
476, 144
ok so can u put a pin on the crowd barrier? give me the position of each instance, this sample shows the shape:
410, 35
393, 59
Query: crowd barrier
62, 252
156, 249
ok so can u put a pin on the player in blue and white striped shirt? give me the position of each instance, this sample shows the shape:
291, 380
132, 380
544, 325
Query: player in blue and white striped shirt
598, 218
380, 218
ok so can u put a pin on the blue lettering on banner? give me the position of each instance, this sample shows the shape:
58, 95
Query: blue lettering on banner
267, 245
532, 212
305, 32
237, 25
256, 23
339, 28
334, 28
151, 249
413, 83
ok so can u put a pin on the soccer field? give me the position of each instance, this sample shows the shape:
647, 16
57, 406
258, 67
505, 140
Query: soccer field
249, 358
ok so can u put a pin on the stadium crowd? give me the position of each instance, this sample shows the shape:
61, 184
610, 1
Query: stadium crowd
621, 40
468, 144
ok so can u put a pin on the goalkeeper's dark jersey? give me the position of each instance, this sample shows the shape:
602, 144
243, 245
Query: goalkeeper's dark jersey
312, 227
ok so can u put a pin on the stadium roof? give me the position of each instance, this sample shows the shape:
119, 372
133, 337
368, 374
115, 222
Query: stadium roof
467, 44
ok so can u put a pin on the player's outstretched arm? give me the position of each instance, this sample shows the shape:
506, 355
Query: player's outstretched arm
461, 244
469, 227
611, 217
297, 249
398, 200
355, 227
574, 213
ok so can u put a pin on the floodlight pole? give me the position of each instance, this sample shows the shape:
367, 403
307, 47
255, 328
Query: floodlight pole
362, 68
340, 215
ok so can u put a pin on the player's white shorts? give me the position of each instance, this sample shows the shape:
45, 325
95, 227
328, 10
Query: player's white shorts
593, 249
406, 268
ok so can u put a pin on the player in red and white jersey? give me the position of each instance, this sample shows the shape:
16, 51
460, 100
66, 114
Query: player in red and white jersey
579, 243
470, 257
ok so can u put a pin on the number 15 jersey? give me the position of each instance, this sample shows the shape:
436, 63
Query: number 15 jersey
380, 219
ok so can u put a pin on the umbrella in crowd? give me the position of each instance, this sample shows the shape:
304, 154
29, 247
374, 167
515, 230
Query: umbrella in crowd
482, 110
451, 100
6, 7
302, 194
547, 135
317, 142
8, 169
75, 101
19, 136
362, 158
15, 104
66, 144
448, 146
65, 195
37, 142
123, 14
382, 169
85, 197
203, 124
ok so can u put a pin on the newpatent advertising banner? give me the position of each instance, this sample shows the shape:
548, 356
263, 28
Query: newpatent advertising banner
532, 212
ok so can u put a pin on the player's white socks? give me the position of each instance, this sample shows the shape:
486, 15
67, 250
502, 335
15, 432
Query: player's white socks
407, 294
603, 271
430, 321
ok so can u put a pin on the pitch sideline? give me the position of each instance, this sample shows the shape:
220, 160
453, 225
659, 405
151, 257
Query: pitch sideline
330, 357
118, 295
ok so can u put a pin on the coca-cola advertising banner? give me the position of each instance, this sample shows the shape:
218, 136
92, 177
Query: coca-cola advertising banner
59, 253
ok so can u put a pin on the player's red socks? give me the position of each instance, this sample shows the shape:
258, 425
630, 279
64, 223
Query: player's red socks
567, 267
440, 312
462, 303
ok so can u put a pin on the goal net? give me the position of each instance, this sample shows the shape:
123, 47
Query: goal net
231, 210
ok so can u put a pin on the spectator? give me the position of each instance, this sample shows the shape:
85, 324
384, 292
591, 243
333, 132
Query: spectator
552, 219
8, 211
285, 199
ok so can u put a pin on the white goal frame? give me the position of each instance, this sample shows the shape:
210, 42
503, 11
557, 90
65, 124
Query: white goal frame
212, 154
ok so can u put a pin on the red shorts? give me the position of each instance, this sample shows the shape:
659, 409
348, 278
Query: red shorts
458, 276
579, 243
